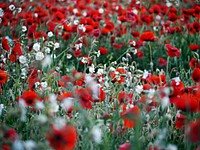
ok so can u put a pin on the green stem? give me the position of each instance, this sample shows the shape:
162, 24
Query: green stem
151, 57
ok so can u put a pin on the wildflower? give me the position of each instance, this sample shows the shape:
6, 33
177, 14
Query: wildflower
162, 62
50, 34
84, 97
12, 7
147, 36
3, 77
131, 117
186, 102
22, 59
5, 44
103, 51
96, 134
125, 146
193, 131
172, 51
180, 120
1, 108
30, 97
39, 56
62, 139
1, 12
24, 28
29, 145
196, 75
47, 61
36, 47
194, 47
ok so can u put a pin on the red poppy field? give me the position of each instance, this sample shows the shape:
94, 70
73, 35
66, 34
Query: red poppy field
100, 75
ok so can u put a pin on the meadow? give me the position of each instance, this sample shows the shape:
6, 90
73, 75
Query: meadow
100, 75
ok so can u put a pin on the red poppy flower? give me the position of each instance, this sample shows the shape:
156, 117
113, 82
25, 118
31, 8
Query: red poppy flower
17, 50
123, 97
140, 54
194, 47
5, 44
193, 131
172, 17
187, 102
162, 62
85, 98
180, 121
147, 36
102, 95
196, 75
63, 139
11, 134
103, 51
3, 77
30, 97
172, 51
125, 146
131, 116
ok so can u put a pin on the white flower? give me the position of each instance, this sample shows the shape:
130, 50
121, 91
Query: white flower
39, 56
133, 43
145, 74
101, 10
75, 10
36, 47
165, 102
29, 145
92, 84
19, 10
84, 60
139, 89
156, 28
12, 7
59, 123
56, 45
177, 80
100, 71
36, 15
50, 34
53, 106
1, 108
22, 59
67, 103
171, 147
84, 13
1, 12
44, 84
82, 27
47, 61
96, 134
92, 69
42, 119
151, 93
18, 145
24, 28
76, 22
69, 56
168, 4
135, 11
158, 17
112, 69
39, 105
47, 50
78, 46
22, 106
37, 84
